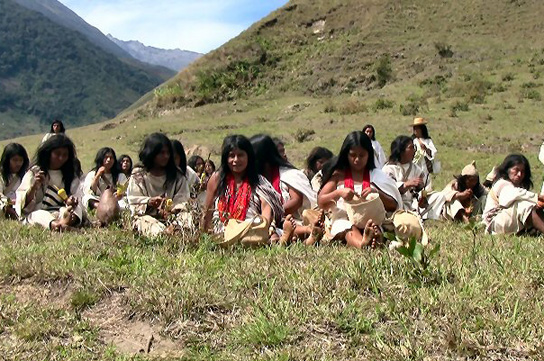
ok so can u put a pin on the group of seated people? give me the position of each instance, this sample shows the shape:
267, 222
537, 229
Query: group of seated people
351, 197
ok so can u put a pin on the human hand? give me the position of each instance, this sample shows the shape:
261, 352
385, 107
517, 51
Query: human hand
155, 202
346, 193
72, 202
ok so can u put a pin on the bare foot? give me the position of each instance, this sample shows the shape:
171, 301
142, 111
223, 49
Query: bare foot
289, 226
318, 228
377, 240
368, 234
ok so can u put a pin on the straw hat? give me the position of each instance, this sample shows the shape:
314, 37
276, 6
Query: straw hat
419, 121
407, 225
470, 169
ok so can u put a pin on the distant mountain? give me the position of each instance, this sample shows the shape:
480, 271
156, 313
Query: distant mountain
60, 14
174, 59
49, 71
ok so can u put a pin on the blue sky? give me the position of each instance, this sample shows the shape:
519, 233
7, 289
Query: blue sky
197, 25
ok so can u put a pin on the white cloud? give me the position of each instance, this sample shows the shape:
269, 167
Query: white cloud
200, 25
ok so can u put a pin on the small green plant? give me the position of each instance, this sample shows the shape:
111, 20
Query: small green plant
508, 77
384, 71
532, 94
381, 104
303, 135
352, 106
458, 107
82, 299
444, 50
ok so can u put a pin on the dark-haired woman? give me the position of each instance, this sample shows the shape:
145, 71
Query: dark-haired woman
57, 127
314, 163
379, 154
425, 155
194, 180
157, 190
14, 164
354, 173
412, 181
510, 206
104, 175
291, 184
50, 193
237, 191
465, 196
125, 165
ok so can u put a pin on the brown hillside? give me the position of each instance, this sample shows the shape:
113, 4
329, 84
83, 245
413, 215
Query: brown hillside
333, 47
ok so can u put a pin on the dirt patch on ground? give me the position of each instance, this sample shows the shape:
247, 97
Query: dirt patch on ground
52, 294
130, 335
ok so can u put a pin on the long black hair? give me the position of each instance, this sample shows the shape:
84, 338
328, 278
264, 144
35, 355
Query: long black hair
192, 161
266, 152
510, 161
398, 146
180, 151
99, 162
373, 131
152, 146
424, 131
316, 154
71, 168
120, 160
56, 121
11, 150
478, 190
229, 144
353, 139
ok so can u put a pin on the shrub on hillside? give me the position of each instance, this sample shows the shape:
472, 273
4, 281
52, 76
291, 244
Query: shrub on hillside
303, 135
444, 50
352, 106
384, 71
381, 104
414, 105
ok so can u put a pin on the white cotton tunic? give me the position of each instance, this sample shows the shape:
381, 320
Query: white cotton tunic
105, 181
378, 180
46, 197
400, 173
379, 154
508, 208
8, 191
296, 179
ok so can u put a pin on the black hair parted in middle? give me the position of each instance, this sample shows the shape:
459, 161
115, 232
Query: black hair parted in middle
370, 126
398, 146
316, 154
353, 139
71, 168
229, 144
99, 162
510, 161
152, 146
180, 151
266, 152
12, 150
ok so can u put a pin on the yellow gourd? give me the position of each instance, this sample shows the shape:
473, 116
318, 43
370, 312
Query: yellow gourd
62, 194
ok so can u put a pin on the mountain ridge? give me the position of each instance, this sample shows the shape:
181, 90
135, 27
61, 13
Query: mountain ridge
175, 59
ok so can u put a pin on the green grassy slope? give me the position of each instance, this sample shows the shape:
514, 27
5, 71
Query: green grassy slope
49, 71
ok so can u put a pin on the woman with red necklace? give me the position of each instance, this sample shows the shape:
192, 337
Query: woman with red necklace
237, 191
354, 173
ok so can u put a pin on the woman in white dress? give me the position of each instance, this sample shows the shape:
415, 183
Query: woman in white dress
510, 206
425, 155
57, 127
238, 191
50, 192
412, 181
291, 184
379, 154
354, 173
13, 166
157, 190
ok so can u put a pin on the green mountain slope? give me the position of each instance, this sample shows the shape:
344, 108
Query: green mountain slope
353, 46
49, 71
